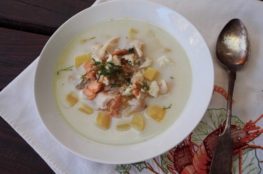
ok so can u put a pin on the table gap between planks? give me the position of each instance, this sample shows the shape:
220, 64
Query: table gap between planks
25, 26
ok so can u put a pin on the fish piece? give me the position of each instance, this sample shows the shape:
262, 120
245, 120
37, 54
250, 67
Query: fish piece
91, 75
114, 59
90, 95
138, 46
103, 99
89, 66
82, 84
114, 105
137, 105
108, 46
146, 63
137, 77
105, 80
154, 89
92, 89
109, 58
163, 87
95, 49
163, 60
95, 86
127, 91
136, 89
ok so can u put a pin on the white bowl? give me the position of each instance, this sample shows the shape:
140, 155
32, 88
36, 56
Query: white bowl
169, 20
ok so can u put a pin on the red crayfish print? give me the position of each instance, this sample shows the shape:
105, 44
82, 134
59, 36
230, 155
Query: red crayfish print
190, 158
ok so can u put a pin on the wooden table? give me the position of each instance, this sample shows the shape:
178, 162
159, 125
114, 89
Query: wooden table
25, 26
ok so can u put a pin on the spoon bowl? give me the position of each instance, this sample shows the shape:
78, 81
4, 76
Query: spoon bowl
232, 45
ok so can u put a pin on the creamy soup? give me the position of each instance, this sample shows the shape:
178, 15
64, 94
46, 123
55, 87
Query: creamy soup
122, 82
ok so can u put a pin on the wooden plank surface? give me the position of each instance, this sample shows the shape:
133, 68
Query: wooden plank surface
16, 156
42, 16
17, 50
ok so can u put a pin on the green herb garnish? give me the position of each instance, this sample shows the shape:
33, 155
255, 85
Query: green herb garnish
114, 85
171, 77
131, 50
167, 107
90, 38
107, 69
130, 62
69, 68
145, 86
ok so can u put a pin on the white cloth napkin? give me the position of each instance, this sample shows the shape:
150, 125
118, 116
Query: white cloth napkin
209, 16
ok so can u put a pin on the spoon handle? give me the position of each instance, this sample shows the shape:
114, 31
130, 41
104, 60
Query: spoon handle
231, 84
222, 157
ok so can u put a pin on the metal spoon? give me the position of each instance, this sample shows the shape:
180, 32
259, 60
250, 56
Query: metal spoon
231, 50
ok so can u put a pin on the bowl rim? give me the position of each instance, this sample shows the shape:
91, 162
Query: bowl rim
168, 146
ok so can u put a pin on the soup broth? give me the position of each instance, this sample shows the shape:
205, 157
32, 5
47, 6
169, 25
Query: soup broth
167, 57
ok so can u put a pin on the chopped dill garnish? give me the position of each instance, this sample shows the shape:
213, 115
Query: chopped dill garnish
171, 77
83, 77
145, 86
96, 62
167, 107
69, 68
107, 69
114, 85
85, 40
131, 50
129, 62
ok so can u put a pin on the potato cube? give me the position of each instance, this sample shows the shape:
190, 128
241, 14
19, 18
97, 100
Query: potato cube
79, 60
150, 73
71, 99
123, 127
156, 112
103, 120
138, 122
86, 109
132, 33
